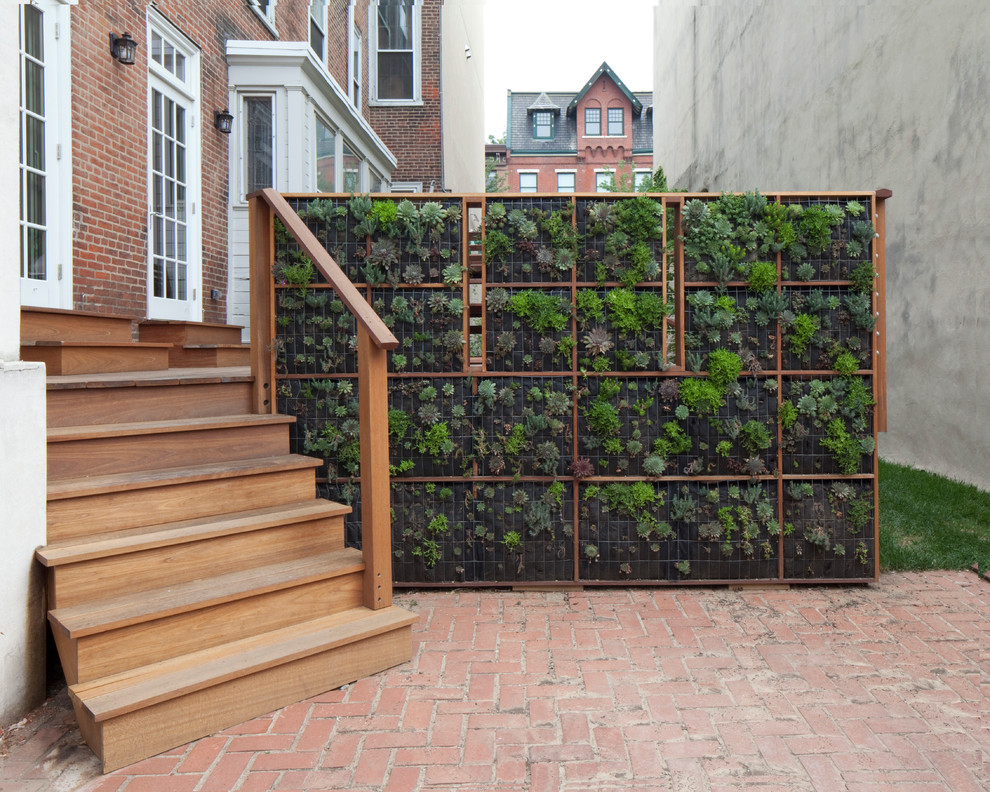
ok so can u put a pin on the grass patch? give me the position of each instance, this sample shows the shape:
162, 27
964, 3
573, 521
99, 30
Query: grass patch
931, 522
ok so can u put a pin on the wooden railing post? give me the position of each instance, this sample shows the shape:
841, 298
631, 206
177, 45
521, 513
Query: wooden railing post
376, 515
261, 255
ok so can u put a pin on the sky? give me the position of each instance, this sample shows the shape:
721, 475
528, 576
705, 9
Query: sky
557, 45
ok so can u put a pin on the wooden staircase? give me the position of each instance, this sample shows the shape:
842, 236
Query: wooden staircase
194, 580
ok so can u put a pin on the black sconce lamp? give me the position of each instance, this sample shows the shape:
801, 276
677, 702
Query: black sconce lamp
123, 48
223, 120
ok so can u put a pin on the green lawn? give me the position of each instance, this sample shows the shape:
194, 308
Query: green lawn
930, 522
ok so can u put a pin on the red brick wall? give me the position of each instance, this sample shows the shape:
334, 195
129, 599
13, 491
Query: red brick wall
412, 133
338, 46
110, 140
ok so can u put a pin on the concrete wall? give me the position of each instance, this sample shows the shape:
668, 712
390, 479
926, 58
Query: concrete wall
840, 95
463, 86
22, 436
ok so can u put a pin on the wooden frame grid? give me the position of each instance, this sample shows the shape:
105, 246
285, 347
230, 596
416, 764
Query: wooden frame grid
476, 279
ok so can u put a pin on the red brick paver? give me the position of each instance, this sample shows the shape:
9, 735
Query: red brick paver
885, 687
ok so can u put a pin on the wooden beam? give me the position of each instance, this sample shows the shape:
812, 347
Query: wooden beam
376, 516
261, 255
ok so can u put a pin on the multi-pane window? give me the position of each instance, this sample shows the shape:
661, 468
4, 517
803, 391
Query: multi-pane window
259, 126
173, 173
169, 207
318, 27
592, 121
395, 50
615, 121
33, 187
565, 181
543, 125
527, 182
326, 145
642, 179
603, 181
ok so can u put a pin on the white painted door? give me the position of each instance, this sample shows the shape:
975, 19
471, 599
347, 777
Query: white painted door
174, 252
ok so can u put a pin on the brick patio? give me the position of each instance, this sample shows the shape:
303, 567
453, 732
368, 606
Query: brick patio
854, 688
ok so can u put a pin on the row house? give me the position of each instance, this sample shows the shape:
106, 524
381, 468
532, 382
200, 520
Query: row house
579, 142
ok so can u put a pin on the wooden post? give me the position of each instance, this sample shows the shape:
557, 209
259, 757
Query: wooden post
261, 254
879, 306
376, 515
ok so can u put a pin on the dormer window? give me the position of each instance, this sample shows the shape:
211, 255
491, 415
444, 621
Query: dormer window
543, 125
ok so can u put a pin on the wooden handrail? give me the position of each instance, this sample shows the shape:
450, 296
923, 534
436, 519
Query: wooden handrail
374, 338
349, 295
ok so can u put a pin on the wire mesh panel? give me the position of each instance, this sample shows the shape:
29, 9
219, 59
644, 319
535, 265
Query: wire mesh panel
828, 529
828, 327
315, 331
529, 240
428, 324
523, 426
827, 425
528, 330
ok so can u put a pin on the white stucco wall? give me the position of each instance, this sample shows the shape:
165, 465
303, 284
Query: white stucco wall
859, 95
462, 25
22, 437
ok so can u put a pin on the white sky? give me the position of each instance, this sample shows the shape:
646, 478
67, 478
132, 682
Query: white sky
556, 45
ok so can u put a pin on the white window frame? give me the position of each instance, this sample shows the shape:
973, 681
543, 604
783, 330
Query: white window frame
318, 16
265, 12
602, 175
187, 94
354, 66
640, 175
417, 52
55, 291
572, 174
536, 180
244, 137
406, 187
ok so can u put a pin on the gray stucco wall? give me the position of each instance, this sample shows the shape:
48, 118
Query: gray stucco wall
841, 95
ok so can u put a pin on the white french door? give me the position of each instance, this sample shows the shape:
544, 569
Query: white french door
45, 180
174, 246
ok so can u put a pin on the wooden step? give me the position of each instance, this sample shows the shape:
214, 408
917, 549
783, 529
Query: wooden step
112, 635
100, 449
100, 504
88, 357
52, 324
134, 715
209, 355
189, 333
148, 558
148, 396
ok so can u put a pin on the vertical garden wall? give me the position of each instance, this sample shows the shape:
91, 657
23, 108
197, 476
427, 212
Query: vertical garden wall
601, 388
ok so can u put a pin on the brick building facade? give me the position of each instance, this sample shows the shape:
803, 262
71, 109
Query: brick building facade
134, 200
578, 142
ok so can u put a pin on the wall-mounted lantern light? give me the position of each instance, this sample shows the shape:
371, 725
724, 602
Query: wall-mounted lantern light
123, 48
223, 120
